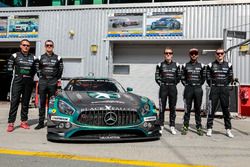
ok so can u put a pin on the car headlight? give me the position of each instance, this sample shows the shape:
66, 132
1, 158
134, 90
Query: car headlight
65, 108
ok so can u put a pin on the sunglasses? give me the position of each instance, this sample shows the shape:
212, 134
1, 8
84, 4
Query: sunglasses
168, 53
220, 53
48, 45
25, 45
193, 53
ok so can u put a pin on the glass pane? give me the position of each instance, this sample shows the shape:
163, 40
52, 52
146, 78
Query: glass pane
12, 3
85, 2
39, 3
175, 0
130, 1
71, 2
58, 2
121, 69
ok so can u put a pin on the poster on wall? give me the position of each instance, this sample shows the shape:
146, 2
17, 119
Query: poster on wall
125, 25
164, 24
3, 27
23, 26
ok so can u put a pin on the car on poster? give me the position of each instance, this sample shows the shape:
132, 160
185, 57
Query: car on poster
123, 22
100, 109
166, 23
3, 24
24, 26
2, 28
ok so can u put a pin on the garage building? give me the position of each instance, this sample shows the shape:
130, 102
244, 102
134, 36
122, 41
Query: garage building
81, 35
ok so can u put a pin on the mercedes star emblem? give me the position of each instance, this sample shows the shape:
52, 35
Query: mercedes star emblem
110, 118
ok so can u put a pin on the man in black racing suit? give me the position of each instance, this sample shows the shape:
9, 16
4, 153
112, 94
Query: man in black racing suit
23, 66
219, 76
193, 77
49, 72
167, 76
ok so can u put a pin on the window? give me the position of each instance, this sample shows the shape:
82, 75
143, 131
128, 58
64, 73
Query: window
130, 1
83, 2
121, 69
84, 85
39, 3
12, 3
174, 0
22, 3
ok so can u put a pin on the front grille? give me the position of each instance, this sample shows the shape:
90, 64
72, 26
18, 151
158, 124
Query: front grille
109, 118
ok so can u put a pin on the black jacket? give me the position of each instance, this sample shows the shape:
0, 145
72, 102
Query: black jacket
168, 73
22, 64
193, 73
50, 66
219, 74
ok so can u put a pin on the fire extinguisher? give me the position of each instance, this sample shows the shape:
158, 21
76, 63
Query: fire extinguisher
244, 95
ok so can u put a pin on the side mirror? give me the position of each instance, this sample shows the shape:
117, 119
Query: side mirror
129, 89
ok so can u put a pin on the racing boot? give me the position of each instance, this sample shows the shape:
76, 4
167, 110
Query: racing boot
39, 126
161, 130
24, 125
10, 127
229, 133
209, 132
184, 130
172, 129
199, 131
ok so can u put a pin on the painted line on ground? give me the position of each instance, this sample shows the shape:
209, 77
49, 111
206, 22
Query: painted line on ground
93, 159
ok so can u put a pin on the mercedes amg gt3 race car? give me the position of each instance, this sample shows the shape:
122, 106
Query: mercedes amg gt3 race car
100, 109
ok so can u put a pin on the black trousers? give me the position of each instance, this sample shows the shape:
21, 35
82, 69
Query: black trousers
46, 90
20, 86
219, 94
167, 92
192, 94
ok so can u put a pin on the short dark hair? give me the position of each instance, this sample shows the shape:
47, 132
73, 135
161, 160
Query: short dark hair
168, 48
24, 40
219, 49
48, 41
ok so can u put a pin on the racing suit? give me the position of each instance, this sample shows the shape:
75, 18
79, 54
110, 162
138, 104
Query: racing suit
193, 77
49, 71
24, 69
167, 76
219, 76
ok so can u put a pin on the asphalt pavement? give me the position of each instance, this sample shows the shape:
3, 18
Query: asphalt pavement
170, 150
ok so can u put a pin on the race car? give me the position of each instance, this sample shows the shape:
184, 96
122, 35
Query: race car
166, 23
123, 22
100, 109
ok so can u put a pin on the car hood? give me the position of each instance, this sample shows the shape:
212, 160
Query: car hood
87, 100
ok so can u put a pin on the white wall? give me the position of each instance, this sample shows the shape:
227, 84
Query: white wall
142, 60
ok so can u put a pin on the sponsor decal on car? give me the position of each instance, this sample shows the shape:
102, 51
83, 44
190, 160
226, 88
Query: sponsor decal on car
153, 118
109, 137
59, 118
106, 107
108, 101
101, 95
53, 111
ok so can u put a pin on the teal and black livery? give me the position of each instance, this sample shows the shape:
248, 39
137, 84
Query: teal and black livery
100, 109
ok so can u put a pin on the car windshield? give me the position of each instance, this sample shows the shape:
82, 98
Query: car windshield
93, 85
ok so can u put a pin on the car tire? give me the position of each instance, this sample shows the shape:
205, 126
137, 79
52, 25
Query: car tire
177, 25
124, 25
153, 26
114, 25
